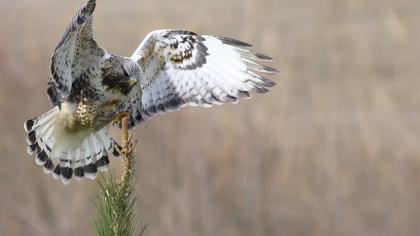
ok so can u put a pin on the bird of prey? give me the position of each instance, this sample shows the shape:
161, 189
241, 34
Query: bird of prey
90, 88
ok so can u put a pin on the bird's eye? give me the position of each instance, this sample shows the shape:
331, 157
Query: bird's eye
125, 73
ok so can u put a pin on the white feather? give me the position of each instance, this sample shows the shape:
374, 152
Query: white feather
42, 119
47, 171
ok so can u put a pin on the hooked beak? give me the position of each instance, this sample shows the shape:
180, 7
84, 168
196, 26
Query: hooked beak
132, 82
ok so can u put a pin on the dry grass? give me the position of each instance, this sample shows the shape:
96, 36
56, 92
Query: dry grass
334, 149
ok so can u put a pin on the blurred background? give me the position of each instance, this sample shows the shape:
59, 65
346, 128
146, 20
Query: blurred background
333, 149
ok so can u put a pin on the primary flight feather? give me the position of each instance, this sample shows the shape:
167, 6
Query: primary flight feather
90, 88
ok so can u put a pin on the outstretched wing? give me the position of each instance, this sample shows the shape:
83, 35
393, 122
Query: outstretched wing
74, 54
182, 68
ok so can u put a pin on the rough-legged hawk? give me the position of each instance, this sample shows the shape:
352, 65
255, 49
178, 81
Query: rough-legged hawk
90, 87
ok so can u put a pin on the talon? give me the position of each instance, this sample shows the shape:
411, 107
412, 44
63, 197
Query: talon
118, 150
130, 137
133, 146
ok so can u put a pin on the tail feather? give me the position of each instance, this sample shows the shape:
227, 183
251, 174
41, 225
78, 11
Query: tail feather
78, 167
81, 161
48, 167
33, 148
104, 141
103, 162
41, 158
56, 173
101, 156
31, 138
40, 120
89, 168
90, 171
66, 173
78, 173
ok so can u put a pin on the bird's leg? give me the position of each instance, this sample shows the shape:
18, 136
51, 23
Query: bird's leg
126, 141
119, 150
128, 151
127, 138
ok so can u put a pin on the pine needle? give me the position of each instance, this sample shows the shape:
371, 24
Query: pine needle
116, 199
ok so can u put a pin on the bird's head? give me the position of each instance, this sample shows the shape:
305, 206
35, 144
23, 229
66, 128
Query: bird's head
119, 75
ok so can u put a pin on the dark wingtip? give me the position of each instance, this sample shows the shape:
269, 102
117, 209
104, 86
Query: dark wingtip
243, 94
234, 42
89, 7
263, 57
86, 10
259, 89
267, 83
231, 99
270, 83
270, 70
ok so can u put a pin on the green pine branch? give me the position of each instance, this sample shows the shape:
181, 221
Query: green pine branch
116, 201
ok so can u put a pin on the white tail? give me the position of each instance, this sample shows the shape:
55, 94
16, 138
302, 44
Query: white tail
65, 154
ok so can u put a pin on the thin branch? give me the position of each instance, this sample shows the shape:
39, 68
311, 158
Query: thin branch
127, 150
116, 199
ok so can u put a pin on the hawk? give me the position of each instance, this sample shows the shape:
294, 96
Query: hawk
90, 88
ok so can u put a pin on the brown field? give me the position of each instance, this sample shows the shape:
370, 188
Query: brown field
333, 149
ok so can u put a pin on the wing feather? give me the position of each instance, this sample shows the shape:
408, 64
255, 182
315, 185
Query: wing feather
181, 68
75, 53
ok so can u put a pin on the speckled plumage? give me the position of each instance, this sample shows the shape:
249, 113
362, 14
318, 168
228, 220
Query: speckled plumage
89, 88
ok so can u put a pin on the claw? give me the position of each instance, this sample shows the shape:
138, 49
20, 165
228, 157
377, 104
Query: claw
130, 138
132, 146
118, 150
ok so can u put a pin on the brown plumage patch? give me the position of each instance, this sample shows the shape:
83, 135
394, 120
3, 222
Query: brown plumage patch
84, 116
181, 57
111, 103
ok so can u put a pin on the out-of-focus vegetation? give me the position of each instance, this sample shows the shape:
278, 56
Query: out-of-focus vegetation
116, 200
333, 149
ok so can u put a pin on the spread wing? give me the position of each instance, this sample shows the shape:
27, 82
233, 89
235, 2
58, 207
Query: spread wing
182, 68
74, 54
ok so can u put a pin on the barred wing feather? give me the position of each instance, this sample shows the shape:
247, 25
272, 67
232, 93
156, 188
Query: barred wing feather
182, 68
74, 54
